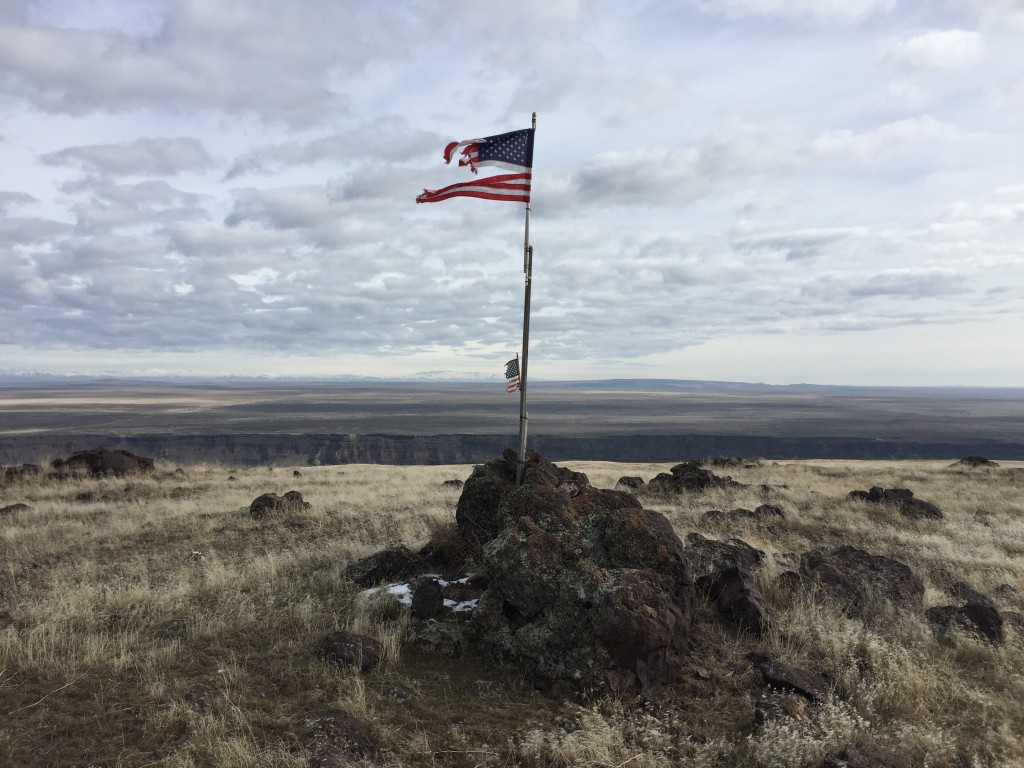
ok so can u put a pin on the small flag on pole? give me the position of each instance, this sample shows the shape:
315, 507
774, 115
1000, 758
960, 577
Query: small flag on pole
512, 374
512, 151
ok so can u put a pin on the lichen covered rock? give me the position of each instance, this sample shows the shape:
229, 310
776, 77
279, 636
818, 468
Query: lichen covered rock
585, 586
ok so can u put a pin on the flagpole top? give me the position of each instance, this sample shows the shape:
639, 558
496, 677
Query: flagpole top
534, 125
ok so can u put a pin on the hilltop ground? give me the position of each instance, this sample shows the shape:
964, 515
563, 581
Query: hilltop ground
152, 622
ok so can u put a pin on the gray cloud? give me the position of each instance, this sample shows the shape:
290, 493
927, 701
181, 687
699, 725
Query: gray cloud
911, 284
9, 200
145, 156
267, 59
30, 231
153, 192
387, 139
801, 244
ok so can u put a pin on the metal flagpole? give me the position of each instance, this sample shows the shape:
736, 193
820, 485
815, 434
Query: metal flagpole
528, 270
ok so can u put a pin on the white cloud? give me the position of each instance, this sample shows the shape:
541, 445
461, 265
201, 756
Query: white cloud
881, 142
947, 49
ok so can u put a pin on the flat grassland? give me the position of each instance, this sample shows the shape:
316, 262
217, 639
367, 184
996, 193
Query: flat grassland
152, 622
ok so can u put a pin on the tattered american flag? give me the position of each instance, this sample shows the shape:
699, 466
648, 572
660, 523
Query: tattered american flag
512, 374
512, 151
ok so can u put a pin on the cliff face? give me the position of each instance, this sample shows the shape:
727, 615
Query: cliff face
312, 449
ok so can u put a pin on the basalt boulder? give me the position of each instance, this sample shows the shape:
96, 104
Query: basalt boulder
978, 616
477, 509
393, 563
347, 649
688, 477
102, 462
737, 599
630, 483
855, 578
706, 556
270, 504
586, 588
901, 498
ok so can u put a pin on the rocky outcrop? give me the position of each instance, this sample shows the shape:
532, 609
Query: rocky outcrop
901, 498
270, 504
102, 462
854, 578
974, 461
689, 477
586, 588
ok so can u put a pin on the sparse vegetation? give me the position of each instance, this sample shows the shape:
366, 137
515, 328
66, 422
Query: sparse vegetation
152, 621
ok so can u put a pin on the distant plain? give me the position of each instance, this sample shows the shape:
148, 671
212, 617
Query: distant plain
581, 409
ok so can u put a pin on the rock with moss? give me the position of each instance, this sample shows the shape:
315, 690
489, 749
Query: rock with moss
586, 588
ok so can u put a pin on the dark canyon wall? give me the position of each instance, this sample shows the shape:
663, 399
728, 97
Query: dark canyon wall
312, 449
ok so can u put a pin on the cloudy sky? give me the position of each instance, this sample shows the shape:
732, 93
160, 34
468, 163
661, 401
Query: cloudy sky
826, 191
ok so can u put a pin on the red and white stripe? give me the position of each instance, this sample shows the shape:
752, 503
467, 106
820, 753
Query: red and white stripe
514, 187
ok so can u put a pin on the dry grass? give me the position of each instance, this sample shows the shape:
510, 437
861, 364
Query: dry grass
158, 625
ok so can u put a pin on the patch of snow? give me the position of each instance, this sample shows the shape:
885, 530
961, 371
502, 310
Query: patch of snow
401, 592
464, 607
